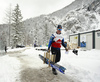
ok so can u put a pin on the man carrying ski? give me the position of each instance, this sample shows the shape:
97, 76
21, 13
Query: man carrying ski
55, 43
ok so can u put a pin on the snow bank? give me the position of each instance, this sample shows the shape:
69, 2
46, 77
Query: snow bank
9, 69
85, 67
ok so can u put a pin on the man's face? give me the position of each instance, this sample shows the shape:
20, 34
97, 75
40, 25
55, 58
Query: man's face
59, 30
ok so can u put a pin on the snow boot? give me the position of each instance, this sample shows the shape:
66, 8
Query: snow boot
54, 71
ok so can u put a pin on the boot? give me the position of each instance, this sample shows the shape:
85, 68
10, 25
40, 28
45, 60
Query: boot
54, 71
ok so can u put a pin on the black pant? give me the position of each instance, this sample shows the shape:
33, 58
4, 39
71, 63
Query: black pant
56, 52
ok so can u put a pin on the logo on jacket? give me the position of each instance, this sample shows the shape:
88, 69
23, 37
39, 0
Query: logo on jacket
58, 41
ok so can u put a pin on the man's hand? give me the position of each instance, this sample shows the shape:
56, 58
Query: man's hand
48, 51
66, 49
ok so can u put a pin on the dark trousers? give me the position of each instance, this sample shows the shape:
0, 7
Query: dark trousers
56, 52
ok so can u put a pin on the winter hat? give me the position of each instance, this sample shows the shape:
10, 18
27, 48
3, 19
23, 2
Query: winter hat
59, 26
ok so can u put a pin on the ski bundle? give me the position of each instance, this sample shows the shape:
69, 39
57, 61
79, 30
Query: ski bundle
52, 64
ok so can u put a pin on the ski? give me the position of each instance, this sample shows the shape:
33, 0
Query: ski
52, 64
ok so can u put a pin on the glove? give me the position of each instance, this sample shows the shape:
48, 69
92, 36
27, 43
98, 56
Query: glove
66, 49
48, 51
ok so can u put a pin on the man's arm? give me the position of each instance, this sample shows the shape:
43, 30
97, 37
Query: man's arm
50, 41
64, 45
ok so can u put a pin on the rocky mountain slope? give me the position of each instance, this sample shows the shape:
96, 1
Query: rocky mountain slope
79, 16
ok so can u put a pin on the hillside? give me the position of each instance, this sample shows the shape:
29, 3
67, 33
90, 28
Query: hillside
74, 5
80, 15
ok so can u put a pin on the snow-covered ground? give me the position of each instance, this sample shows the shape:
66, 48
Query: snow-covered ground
9, 68
84, 67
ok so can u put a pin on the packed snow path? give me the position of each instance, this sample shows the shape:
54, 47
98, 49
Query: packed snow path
33, 69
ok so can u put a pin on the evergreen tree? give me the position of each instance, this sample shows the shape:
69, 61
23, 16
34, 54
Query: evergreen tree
18, 35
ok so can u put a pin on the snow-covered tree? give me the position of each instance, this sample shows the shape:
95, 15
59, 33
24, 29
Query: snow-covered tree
8, 20
17, 36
